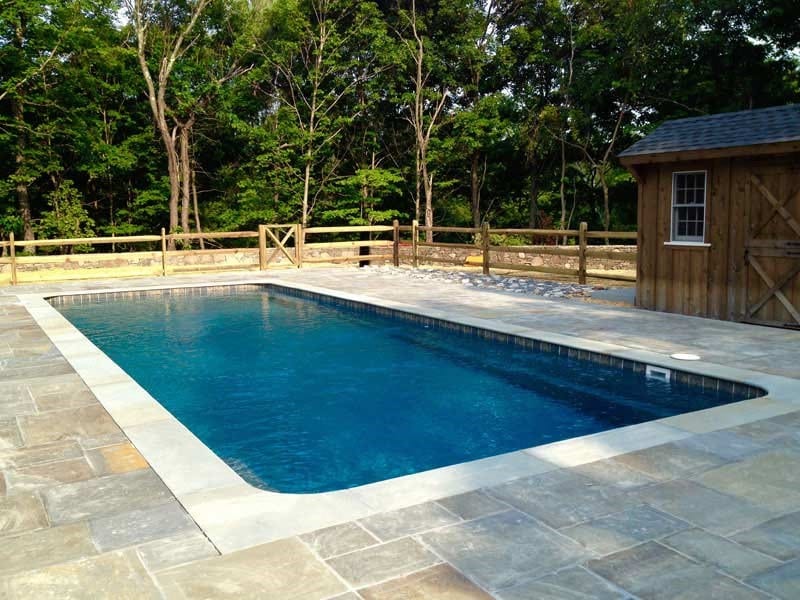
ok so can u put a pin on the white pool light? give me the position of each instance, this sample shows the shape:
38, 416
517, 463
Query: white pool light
684, 356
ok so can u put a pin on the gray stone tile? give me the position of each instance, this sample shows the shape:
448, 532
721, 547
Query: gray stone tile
34, 477
707, 508
33, 350
9, 435
22, 370
739, 561
770, 480
23, 457
782, 581
21, 513
789, 420
339, 539
15, 400
283, 569
789, 442
117, 575
44, 547
441, 582
140, 525
104, 496
378, 563
48, 386
106, 439
574, 583
652, 571
669, 461
724, 444
561, 498
87, 422
779, 537
406, 521
613, 473
764, 431
75, 396
176, 550
624, 529
472, 505
505, 549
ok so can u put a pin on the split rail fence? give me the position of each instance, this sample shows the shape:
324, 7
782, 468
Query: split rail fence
292, 245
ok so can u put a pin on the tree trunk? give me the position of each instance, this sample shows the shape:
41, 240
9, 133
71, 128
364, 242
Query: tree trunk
417, 187
23, 197
174, 181
561, 190
306, 185
475, 189
196, 207
533, 214
185, 176
427, 183
18, 112
606, 208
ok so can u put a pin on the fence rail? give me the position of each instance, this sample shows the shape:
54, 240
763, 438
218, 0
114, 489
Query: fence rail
292, 245
482, 245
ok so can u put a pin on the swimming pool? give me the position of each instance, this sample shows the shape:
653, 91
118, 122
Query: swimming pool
305, 393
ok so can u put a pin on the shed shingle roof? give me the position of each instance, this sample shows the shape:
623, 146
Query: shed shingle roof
725, 130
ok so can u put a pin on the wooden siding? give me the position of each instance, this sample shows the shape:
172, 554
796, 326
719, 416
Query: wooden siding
717, 280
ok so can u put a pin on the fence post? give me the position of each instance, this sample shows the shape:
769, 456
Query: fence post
582, 252
299, 243
485, 247
13, 252
262, 247
163, 252
414, 243
396, 243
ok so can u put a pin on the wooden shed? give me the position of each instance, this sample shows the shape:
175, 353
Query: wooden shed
719, 216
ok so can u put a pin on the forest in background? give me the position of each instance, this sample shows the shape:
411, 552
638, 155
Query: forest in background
120, 117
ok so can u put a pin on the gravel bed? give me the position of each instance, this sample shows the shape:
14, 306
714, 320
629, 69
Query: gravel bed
501, 283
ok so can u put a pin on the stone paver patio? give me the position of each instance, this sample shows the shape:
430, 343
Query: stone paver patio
711, 515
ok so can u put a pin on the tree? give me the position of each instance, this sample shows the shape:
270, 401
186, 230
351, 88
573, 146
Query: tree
67, 216
183, 43
32, 41
313, 76
41, 47
425, 110
479, 124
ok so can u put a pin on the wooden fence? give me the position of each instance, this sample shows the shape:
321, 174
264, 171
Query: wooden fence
288, 245
482, 238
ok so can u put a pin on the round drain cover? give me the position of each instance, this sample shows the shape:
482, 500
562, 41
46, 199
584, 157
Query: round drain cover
684, 356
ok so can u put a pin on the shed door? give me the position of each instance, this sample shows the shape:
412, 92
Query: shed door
772, 248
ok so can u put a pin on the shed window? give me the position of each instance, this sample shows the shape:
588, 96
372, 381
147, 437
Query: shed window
688, 206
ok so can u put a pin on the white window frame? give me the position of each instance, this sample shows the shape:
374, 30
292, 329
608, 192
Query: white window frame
674, 240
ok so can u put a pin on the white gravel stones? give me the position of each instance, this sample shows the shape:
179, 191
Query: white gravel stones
513, 285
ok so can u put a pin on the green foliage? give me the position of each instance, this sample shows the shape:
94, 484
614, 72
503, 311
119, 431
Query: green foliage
66, 216
361, 198
319, 106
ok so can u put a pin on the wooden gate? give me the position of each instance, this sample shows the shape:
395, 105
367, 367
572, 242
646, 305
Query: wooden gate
274, 238
772, 249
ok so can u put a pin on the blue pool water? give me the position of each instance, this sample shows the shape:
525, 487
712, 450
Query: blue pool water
301, 396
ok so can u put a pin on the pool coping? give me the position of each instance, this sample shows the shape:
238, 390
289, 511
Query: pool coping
236, 515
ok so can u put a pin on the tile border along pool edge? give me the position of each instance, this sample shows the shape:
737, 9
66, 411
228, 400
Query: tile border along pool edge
236, 515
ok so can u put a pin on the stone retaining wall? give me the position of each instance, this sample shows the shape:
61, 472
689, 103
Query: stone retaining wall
137, 264
526, 256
